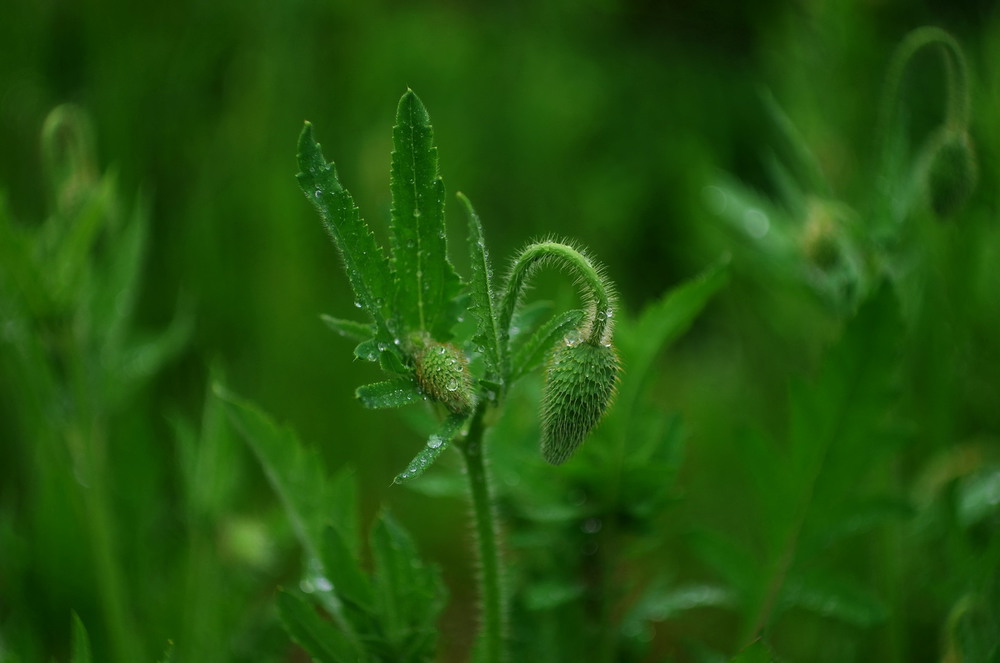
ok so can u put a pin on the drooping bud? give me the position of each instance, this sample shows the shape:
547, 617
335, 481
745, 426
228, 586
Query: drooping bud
443, 373
579, 384
950, 172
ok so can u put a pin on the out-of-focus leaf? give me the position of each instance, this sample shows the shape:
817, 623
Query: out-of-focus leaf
343, 569
319, 637
311, 500
141, 360
80, 642
409, 594
979, 496
552, 593
389, 394
663, 603
755, 652
426, 282
833, 596
733, 561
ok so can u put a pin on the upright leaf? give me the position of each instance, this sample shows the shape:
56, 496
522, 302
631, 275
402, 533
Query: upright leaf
366, 267
483, 304
426, 282
80, 642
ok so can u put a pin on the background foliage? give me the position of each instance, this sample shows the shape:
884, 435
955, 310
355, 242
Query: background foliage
635, 127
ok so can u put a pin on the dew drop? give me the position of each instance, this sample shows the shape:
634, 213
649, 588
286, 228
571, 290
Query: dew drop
357, 304
435, 442
317, 193
451, 385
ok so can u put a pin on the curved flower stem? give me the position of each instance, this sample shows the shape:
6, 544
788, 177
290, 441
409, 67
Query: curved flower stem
597, 292
956, 76
491, 592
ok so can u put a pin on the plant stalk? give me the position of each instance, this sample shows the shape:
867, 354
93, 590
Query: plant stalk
491, 593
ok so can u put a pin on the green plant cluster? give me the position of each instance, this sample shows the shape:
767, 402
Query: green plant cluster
790, 456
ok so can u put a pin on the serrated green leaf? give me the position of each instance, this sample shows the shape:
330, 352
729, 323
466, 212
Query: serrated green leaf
391, 361
426, 282
320, 638
659, 325
168, 653
367, 350
80, 642
409, 594
344, 570
663, 603
833, 596
437, 443
139, 361
729, 557
483, 304
356, 331
534, 350
366, 267
391, 393
311, 499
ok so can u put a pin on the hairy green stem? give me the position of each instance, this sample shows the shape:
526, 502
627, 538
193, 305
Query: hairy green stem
491, 591
596, 290
956, 75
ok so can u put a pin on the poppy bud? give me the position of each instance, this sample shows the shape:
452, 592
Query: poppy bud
950, 172
579, 383
443, 373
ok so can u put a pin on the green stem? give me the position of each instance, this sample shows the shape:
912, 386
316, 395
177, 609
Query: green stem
491, 594
596, 289
97, 506
956, 76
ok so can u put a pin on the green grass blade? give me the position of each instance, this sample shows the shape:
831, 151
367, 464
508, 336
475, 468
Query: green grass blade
319, 637
388, 394
80, 642
437, 443
366, 267
483, 304
426, 282
534, 350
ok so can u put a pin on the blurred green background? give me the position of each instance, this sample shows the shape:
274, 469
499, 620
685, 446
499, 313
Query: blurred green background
599, 120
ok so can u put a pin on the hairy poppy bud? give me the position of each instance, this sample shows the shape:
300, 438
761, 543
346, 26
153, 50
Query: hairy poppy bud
443, 374
579, 384
950, 172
